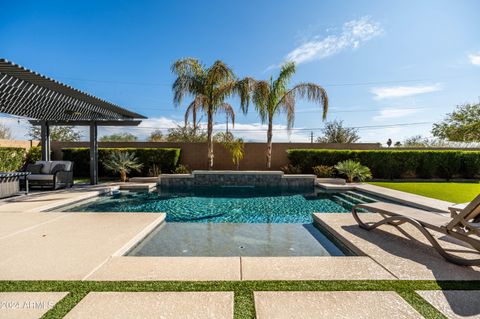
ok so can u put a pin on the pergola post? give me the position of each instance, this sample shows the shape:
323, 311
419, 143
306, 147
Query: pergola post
93, 153
45, 140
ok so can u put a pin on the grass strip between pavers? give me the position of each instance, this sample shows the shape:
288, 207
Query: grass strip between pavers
244, 306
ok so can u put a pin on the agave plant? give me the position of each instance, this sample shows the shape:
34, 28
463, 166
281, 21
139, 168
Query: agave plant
123, 163
353, 171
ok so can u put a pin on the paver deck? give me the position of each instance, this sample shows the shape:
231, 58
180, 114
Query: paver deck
333, 304
27, 305
165, 305
404, 251
454, 303
70, 247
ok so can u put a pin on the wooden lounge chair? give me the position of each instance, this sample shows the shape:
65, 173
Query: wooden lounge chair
463, 224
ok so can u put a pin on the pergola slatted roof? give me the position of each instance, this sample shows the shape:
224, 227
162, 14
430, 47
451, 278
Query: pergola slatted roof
47, 102
29, 94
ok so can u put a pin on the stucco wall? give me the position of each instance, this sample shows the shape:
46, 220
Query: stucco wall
19, 143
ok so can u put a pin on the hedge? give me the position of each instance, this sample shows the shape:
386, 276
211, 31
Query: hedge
390, 164
164, 158
11, 158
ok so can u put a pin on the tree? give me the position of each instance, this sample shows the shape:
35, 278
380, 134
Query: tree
5, 132
462, 125
274, 97
416, 141
119, 137
57, 133
334, 132
187, 133
209, 86
156, 136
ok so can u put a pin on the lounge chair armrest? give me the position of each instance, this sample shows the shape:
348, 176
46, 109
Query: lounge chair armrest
456, 209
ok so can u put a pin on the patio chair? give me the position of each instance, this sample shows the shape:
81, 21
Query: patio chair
463, 224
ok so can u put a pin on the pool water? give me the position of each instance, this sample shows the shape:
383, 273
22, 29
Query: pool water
228, 205
206, 239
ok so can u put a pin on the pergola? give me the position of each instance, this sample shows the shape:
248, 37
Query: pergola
46, 102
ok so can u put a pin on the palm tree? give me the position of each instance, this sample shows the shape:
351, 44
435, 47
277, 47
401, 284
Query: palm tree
209, 86
274, 97
123, 163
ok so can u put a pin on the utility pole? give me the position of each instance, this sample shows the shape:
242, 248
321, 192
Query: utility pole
227, 124
311, 137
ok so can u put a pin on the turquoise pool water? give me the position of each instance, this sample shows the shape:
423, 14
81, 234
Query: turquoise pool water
227, 205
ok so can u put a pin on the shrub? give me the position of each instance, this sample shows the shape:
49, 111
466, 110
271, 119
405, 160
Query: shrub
324, 171
390, 164
165, 159
291, 169
354, 171
182, 169
33, 154
11, 158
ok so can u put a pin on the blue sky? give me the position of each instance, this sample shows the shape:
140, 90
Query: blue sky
382, 62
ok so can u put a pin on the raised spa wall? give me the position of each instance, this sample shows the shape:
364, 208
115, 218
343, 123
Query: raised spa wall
237, 178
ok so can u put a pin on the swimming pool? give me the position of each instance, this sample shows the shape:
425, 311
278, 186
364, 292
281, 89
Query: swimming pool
228, 204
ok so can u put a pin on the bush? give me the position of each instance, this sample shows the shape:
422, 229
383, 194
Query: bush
165, 159
291, 169
323, 171
182, 169
33, 154
11, 158
390, 164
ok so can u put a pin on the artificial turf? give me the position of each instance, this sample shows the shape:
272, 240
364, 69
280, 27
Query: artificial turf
450, 192
243, 290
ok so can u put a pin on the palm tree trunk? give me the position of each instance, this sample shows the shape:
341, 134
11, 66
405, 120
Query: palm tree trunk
269, 142
210, 138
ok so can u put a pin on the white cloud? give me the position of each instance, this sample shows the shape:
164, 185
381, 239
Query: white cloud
402, 91
393, 113
474, 58
354, 33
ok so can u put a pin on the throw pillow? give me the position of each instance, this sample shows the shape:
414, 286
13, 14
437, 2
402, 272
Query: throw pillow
34, 168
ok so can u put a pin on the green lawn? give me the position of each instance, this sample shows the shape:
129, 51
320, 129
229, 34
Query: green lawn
243, 290
450, 192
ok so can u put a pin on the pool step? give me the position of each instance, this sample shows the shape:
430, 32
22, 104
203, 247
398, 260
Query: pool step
362, 197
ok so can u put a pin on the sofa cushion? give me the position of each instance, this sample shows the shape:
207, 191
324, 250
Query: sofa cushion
34, 168
47, 166
40, 177
58, 168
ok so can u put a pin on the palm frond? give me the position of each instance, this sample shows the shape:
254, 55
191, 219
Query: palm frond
189, 74
243, 88
218, 73
260, 97
197, 105
279, 86
311, 92
228, 109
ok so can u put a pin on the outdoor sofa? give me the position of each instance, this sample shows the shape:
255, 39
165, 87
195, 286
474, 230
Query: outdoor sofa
10, 183
463, 224
50, 174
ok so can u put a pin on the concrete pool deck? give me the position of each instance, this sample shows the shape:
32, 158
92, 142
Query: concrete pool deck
39, 245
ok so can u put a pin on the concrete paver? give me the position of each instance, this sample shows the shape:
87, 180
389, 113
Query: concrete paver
454, 303
332, 304
27, 305
165, 305
169, 268
312, 268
